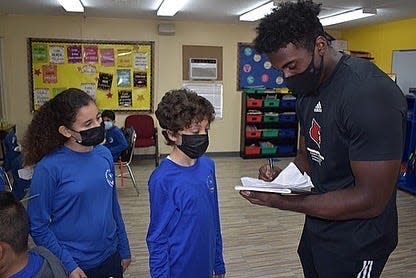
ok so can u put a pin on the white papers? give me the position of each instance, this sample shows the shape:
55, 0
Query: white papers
292, 177
290, 180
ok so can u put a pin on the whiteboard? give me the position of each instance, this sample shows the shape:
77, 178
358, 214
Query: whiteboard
212, 91
404, 65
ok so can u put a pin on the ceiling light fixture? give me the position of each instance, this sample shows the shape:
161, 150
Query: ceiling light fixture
170, 7
347, 16
258, 12
72, 5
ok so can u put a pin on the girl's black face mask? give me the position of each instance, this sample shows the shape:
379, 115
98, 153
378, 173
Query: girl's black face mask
306, 83
92, 136
194, 145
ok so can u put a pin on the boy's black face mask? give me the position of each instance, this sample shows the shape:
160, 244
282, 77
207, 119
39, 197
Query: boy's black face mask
92, 136
194, 145
306, 83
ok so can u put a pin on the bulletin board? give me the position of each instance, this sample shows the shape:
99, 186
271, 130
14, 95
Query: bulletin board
118, 75
255, 69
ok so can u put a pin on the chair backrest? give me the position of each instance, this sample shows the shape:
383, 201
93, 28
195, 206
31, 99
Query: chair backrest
10, 150
4, 180
143, 125
130, 134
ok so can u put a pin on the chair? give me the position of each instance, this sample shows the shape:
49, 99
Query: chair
13, 163
5, 181
127, 157
146, 132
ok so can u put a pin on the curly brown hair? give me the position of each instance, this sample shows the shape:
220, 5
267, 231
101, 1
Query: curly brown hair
178, 109
42, 135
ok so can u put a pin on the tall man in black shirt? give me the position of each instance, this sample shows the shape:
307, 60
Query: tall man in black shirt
352, 120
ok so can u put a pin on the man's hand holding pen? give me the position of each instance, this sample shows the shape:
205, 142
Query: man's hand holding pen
269, 172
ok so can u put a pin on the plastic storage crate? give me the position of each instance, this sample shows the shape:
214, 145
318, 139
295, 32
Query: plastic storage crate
287, 117
269, 150
287, 132
288, 102
253, 134
270, 133
271, 102
254, 103
272, 118
254, 118
286, 149
252, 150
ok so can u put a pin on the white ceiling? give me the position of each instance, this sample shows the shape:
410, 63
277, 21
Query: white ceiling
219, 11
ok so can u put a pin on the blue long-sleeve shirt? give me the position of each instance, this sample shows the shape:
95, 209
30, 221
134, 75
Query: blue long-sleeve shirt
115, 142
77, 215
184, 236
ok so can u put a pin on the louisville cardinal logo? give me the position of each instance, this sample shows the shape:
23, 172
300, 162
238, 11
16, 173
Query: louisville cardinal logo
315, 132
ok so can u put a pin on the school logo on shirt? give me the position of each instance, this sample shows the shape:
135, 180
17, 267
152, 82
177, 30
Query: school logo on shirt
316, 156
315, 135
109, 140
210, 183
315, 132
109, 177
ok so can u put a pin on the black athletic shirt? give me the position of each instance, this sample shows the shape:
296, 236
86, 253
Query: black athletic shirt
358, 114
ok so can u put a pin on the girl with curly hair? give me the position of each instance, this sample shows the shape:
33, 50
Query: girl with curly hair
76, 215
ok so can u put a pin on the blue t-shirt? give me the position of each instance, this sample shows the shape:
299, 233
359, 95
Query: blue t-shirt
184, 236
32, 268
77, 214
115, 142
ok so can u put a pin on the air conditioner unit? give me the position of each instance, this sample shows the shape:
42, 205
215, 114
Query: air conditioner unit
166, 29
203, 68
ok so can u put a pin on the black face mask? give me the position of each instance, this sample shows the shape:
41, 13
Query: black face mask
305, 83
92, 136
194, 145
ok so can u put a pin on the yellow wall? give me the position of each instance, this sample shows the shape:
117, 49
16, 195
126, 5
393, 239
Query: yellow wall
381, 39
14, 29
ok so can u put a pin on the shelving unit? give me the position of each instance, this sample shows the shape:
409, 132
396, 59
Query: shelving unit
407, 180
268, 124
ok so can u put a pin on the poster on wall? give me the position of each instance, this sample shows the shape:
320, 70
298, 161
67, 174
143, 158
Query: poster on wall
256, 70
118, 75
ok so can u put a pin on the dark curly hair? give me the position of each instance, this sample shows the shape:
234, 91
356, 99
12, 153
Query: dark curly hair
14, 223
42, 135
178, 109
296, 23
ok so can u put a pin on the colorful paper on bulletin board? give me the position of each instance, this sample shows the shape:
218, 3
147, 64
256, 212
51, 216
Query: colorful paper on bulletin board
256, 70
118, 75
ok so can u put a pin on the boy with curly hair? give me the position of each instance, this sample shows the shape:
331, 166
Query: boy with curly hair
184, 236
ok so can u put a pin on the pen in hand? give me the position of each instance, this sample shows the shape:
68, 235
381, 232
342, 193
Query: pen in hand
271, 164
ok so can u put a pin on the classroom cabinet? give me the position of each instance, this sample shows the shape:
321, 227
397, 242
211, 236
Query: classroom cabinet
269, 126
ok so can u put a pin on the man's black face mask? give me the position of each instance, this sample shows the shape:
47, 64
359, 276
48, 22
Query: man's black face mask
306, 83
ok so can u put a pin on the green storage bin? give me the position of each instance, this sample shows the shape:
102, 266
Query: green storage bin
271, 102
269, 150
260, 90
270, 133
271, 118
249, 91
